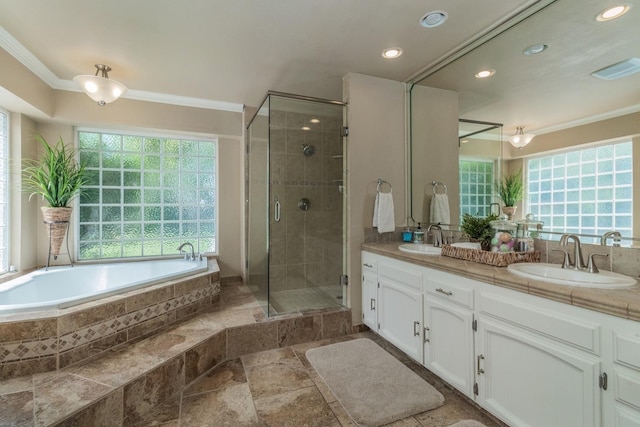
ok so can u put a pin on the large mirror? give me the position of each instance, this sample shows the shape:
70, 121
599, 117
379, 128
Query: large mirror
552, 93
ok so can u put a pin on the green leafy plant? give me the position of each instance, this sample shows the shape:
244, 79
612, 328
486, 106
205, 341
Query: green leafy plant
57, 177
511, 188
478, 228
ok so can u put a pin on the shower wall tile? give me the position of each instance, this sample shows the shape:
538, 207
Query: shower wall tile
332, 142
277, 168
277, 251
278, 277
296, 276
277, 118
295, 169
313, 249
295, 120
277, 140
313, 168
294, 141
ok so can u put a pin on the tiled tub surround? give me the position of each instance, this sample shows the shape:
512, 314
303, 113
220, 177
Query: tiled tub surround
623, 303
43, 341
124, 384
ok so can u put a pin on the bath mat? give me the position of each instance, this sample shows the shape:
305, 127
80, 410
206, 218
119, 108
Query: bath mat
468, 423
372, 385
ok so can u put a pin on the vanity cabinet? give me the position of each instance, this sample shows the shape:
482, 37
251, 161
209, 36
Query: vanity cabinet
400, 306
447, 331
528, 360
370, 291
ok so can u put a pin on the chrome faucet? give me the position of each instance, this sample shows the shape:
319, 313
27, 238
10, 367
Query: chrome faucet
578, 261
616, 238
437, 237
186, 254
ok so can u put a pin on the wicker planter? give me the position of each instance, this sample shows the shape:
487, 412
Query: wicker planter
498, 259
57, 222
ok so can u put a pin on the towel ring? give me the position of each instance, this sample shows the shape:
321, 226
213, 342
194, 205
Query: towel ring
381, 182
435, 187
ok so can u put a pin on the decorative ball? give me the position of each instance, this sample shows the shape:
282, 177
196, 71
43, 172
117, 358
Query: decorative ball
505, 237
504, 248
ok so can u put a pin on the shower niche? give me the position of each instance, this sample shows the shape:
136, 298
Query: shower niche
295, 205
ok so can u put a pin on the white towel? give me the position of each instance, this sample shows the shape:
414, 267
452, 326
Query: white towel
383, 213
440, 209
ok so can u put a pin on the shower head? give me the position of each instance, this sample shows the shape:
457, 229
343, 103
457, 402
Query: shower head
308, 149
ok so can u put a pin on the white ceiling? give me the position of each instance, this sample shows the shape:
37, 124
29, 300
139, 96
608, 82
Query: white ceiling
232, 52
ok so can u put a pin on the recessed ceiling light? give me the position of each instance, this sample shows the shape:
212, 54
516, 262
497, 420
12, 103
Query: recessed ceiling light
433, 19
535, 49
391, 53
315, 120
613, 12
464, 141
306, 128
483, 74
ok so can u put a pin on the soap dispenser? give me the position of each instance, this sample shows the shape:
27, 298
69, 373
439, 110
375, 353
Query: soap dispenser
418, 235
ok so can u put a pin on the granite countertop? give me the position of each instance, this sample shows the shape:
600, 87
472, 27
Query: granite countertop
623, 303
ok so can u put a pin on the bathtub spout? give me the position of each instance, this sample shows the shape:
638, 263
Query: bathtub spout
186, 254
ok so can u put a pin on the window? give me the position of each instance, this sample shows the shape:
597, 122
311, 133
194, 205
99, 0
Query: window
586, 191
4, 190
476, 187
146, 195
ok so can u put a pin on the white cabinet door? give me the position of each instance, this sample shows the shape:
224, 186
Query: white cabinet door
370, 300
399, 316
528, 381
448, 343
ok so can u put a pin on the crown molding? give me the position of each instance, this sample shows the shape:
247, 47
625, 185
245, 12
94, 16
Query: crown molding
587, 120
26, 58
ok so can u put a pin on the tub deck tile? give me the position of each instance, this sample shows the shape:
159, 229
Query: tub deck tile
17, 409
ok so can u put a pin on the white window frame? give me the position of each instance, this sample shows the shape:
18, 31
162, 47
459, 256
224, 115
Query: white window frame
5, 139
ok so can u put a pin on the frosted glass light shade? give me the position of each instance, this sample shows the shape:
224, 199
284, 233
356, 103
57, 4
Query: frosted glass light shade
101, 89
520, 139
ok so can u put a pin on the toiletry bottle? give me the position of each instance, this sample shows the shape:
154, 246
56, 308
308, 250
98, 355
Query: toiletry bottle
418, 235
407, 235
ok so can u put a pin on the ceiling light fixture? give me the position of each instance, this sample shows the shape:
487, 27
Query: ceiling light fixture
433, 19
101, 88
391, 53
520, 139
535, 49
613, 12
315, 120
483, 74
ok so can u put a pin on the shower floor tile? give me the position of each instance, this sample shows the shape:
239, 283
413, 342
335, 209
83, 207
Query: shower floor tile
293, 300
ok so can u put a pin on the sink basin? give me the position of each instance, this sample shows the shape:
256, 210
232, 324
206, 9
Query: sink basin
420, 248
553, 273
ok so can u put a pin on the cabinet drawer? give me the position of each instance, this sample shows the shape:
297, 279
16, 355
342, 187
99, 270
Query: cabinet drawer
401, 272
449, 287
626, 350
573, 331
369, 262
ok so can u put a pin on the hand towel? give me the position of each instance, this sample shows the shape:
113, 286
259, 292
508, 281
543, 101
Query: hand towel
383, 213
440, 209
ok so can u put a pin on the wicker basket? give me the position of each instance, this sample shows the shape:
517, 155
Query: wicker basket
57, 220
499, 259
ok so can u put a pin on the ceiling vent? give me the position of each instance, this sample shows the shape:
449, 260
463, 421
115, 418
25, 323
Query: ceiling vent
621, 69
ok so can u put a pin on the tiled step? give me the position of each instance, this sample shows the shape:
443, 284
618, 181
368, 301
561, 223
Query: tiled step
122, 385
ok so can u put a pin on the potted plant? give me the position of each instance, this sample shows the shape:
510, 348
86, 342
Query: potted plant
478, 229
511, 190
58, 178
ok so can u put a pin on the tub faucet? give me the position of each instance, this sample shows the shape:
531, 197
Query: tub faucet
578, 261
616, 238
437, 237
186, 254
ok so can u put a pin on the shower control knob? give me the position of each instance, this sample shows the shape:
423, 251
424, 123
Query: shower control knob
304, 204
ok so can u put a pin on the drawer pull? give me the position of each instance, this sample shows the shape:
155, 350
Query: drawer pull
442, 291
372, 304
416, 329
368, 265
426, 338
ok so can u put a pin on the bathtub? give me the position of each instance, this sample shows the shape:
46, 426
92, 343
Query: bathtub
62, 287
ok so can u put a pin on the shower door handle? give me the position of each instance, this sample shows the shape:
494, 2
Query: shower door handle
276, 213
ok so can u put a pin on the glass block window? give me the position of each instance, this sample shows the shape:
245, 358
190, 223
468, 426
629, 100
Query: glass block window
146, 195
586, 191
4, 191
476, 187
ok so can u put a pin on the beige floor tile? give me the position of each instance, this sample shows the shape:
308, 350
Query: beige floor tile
231, 406
304, 407
224, 375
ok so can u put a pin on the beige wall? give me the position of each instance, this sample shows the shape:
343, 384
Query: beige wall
375, 149
55, 113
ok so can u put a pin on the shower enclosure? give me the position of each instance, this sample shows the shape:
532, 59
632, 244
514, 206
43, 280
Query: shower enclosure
295, 247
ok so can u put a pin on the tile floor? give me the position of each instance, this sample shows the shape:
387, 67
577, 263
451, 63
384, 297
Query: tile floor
280, 388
